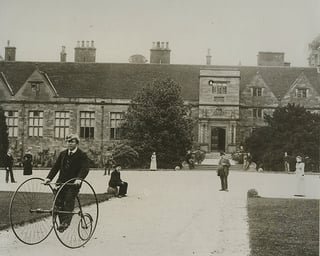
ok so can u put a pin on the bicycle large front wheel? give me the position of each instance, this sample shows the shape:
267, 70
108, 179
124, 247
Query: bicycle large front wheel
75, 213
30, 209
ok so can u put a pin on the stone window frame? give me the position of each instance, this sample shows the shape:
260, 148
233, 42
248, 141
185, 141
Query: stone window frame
116, 119
301, 92
256, 91
35, 123
61, 124
87, 124
35, 87
257, 113
12, 121
218, 87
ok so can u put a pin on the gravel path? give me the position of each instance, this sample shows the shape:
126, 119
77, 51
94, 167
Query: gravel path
168, 213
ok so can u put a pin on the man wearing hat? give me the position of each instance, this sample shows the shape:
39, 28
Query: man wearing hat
8, 164
115, 181
71, 163
223, 171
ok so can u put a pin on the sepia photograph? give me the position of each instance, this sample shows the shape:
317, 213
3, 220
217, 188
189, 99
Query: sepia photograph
160, 128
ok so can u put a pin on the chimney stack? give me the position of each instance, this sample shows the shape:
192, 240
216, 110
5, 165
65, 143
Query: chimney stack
160, 53
63, 54
208, 57
85, 52
10, 52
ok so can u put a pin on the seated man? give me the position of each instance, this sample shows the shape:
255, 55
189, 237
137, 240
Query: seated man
72, 163
115, 181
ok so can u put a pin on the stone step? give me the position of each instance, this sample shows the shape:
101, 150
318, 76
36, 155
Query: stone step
215, 161
213, 167
213, 155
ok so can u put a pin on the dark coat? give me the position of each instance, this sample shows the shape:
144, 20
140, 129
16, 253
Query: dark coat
110, 162
225, 163
115, 179
27, 164
79, 167
8, 161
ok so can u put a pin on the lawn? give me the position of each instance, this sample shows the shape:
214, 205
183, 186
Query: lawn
21, 217
283, 227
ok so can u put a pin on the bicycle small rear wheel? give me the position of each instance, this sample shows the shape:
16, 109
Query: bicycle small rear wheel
85, 226
30, 209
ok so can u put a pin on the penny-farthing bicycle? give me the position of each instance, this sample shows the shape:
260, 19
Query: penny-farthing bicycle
35, 211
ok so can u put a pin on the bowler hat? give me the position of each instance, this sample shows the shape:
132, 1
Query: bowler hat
116, 165
73, 137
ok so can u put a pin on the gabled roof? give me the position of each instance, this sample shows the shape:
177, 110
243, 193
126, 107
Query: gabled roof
5, 82
123, 80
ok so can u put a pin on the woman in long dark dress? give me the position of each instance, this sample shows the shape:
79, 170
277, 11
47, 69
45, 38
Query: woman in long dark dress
27, 163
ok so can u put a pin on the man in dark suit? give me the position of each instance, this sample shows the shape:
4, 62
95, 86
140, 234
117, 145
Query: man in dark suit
109, 162
8, 164
115, 181
223, 171
72, 163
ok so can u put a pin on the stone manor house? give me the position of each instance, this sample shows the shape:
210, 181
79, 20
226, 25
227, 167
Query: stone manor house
44, 101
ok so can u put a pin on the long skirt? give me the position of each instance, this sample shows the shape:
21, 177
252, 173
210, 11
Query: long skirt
27, 169
300, 185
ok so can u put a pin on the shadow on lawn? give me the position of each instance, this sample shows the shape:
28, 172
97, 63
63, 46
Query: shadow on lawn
283, 226
46, 199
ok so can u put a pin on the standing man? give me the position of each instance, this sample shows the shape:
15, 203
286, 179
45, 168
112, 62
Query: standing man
115, 181
108, 164
224, 165
286, 160
72, 163
8, 164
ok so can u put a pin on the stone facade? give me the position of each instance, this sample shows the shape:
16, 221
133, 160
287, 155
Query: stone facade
44, 101
218, 109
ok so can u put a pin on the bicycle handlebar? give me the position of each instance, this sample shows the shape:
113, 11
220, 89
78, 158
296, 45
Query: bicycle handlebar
56, 183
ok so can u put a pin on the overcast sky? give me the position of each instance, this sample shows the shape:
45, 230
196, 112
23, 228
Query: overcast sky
234, 30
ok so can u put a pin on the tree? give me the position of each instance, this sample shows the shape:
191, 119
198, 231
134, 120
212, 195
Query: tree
290, 129
125, 155
4, 141
157, 121
314, 47
315, 44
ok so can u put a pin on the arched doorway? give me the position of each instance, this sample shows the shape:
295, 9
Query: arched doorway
218, 139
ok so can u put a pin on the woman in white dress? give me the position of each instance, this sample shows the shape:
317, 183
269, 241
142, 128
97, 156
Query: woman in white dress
153, 163
300, 186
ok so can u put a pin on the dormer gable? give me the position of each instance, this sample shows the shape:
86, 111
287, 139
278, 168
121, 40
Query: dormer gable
37, 87
257, 92
302, 92
6, 91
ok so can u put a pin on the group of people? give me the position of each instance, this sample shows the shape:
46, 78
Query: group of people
8, 165
72, 163
224, 165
